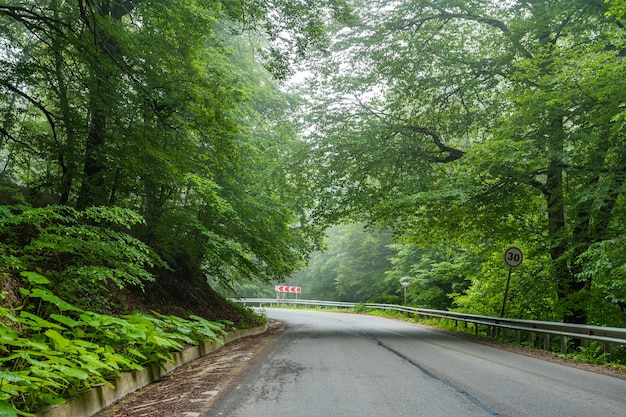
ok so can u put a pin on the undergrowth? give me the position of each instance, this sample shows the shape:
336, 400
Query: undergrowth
52, 349
57, 268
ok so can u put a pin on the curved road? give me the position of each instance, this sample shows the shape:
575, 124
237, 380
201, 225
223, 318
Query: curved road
336, 364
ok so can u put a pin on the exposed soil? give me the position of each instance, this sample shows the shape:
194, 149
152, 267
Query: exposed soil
181, 295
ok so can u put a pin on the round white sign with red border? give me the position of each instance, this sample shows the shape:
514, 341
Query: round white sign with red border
513, 257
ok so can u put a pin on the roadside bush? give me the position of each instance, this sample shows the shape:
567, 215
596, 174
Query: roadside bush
58, 266
387, 299
83, 252
46, 358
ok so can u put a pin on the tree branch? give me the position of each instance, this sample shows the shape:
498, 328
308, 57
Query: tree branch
453, 153
31, 19
35, 103
12, 138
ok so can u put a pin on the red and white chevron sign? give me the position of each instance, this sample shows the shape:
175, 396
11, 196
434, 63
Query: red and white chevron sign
285, 288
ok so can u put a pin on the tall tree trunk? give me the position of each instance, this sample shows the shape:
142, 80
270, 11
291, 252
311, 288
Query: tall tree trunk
68, 150
568, 286
101, 101
93, 190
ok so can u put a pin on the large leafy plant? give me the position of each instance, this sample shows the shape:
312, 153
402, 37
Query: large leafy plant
51, 349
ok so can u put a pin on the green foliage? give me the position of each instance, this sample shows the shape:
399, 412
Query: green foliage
603, 264
81, 251
617, 9
6, 409
47, 357
353, 268
359, 308
434, 275
105, 105
475, 125
531, 294
593, 353
293, 29
387, 299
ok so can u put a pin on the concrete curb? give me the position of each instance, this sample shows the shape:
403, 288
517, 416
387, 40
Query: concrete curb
95, 399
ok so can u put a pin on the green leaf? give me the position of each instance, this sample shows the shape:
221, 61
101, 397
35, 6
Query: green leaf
33, 320
68, 321
86, 344
60, 341
35, 278
50, 376
7, 334
9, 376
48, 296
164, 342
52, 399
39, 346
70, 372
7, 410
136, 353
94, 363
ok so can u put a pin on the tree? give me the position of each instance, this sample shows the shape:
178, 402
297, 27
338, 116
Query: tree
434, 275
153, 107
364, 258
352, 268
480, 123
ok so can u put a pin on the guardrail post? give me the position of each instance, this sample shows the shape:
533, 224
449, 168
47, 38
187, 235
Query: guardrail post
546, 341
518, 337
531, 338
563, 345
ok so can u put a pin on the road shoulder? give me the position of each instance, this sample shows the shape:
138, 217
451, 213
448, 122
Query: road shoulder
192, 390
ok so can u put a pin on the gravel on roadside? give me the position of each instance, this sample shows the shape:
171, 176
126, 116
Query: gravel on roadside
191, 390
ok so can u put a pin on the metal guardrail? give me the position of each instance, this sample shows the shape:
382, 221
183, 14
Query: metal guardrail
530, 328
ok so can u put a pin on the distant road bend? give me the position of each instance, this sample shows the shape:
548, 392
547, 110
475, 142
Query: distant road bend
336, 364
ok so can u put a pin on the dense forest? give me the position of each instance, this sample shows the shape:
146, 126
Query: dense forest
467, 127
153, 151
167, 118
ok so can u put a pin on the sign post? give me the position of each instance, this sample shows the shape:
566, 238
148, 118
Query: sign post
405, 283
513, 258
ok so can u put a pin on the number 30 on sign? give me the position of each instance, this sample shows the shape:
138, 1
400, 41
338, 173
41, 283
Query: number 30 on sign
513, 257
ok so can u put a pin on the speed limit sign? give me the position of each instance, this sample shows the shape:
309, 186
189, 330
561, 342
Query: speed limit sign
513, 257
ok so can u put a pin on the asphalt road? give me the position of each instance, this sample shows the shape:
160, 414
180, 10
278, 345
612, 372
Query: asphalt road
334, 364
